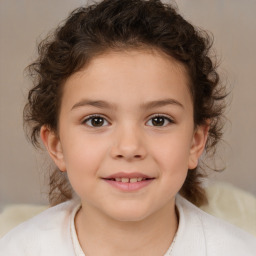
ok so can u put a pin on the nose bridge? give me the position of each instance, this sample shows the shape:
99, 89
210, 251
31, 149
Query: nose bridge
128, 142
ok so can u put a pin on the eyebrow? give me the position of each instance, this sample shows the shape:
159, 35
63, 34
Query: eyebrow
93, 103
161, 103
103, 104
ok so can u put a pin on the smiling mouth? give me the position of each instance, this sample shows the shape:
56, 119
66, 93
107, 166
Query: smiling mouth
129, 180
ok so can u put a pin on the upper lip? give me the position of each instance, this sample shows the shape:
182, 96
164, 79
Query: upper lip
128, 175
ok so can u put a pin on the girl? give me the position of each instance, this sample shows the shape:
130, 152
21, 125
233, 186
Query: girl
125, 101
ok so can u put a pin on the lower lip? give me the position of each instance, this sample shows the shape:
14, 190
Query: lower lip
128, 186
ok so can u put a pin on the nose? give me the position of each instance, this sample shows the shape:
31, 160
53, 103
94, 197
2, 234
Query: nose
128, 144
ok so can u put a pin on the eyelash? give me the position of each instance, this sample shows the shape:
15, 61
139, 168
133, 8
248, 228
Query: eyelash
91, 117
168, 119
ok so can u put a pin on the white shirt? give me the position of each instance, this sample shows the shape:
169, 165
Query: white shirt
52, 233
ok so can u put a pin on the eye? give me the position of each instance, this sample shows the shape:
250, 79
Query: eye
95, 121
159, 120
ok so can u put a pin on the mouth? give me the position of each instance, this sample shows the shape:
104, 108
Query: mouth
129, 181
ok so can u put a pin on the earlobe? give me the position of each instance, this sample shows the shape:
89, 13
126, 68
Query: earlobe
198, 144
53, 146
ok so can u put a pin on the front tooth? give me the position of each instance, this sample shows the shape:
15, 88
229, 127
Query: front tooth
125, 180
118, 179
133, 180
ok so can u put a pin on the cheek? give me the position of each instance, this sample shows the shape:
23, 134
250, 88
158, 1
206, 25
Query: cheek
82, 159
82, 171
172, 157
174, 168
172, 150
173, 163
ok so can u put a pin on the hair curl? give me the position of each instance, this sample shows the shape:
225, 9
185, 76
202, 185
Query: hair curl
119, 25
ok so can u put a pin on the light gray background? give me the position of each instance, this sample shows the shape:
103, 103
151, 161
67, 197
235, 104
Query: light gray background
23, 22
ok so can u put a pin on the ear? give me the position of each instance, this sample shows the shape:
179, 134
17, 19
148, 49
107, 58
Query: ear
198, 144
53, 146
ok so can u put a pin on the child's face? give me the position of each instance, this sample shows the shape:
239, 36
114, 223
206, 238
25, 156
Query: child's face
142, 127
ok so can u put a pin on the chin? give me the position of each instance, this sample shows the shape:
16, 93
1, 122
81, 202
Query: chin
129, 215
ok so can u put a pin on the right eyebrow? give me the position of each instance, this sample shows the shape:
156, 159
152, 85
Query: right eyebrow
94, 103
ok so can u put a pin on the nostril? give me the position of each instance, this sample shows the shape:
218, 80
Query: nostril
135, 156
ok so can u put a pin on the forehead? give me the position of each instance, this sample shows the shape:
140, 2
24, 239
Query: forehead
129, 75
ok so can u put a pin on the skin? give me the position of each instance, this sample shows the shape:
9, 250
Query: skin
111, 221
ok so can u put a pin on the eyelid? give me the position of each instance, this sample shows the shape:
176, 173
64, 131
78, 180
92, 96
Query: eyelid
167, 117
90, 117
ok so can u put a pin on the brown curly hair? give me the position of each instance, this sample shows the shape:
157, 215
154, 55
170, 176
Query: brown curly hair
117, 25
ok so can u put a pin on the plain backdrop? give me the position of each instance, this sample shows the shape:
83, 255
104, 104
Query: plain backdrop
23, 23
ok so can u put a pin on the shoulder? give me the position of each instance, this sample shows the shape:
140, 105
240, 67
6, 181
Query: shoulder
44, 234
220, 237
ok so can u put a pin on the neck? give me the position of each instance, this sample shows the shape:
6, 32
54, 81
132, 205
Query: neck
102, 235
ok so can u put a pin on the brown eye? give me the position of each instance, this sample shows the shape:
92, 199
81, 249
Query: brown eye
159, 121
96, 121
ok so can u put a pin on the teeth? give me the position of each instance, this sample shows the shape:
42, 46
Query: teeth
125, 180
131, 180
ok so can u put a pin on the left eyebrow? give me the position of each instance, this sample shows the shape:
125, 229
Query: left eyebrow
161, 103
